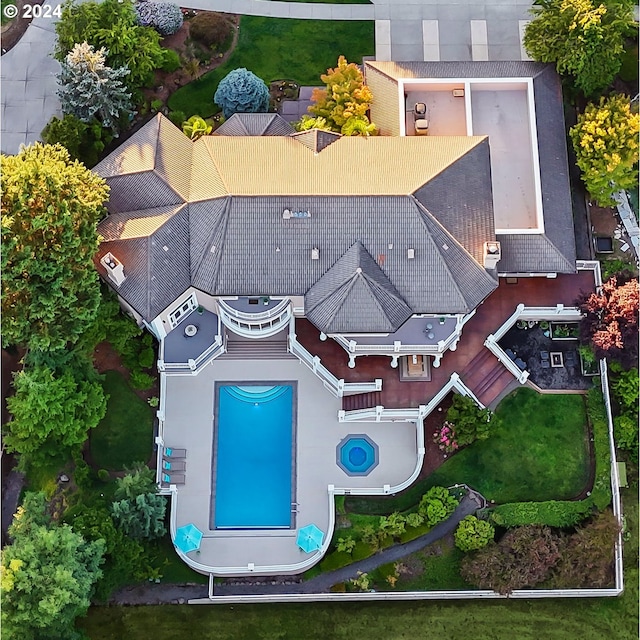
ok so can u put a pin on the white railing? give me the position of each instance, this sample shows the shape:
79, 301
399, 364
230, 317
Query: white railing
353, 388
551, 314
591, 265
251, 328
254, 317
335, 386
509, 322
379, 414
615, 478
195, 366
352, 346
491, 344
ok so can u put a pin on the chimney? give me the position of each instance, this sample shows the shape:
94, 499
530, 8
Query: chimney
114, 268
492, 254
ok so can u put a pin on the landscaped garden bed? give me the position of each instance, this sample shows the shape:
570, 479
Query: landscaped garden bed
275, 48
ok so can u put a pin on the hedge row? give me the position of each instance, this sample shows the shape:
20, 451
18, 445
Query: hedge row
567, 513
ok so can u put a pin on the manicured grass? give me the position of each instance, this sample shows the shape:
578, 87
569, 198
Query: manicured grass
537, 451
125, 434
586, 619
275, 48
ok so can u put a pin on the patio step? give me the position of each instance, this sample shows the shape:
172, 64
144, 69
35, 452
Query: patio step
362, 401
257, 350
499, 384
480, 359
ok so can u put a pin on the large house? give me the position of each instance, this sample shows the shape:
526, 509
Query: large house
387, 245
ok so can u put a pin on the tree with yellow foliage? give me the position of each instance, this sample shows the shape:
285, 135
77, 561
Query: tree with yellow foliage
345, 101
605, 140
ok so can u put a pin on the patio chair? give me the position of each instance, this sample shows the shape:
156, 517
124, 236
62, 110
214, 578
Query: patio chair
174, 453
174, 465
174, 478
570, 359
520, 363
544, 355
545, 364
510, 354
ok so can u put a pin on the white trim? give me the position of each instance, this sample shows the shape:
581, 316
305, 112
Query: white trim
179, 313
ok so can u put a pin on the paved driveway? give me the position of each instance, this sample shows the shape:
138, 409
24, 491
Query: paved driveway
28, 86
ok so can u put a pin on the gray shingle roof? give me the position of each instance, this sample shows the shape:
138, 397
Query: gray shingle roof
254, 124
461, 199
315, 139
355, 289
156, 265
552, 151
525, 253
259, 251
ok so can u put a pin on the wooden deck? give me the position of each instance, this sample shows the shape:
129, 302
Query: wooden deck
484, 373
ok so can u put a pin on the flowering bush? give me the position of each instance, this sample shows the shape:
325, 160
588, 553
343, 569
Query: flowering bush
164, 17
445, 438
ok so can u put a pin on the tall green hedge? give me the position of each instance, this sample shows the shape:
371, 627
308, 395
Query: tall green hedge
566, 513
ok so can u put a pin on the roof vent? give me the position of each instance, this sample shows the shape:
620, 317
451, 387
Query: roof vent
411, 254
286, 214
165, 248
114, 268
445, 246
315, 254
391, 245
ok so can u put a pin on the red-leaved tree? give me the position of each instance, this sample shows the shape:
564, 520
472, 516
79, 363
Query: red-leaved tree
610, 319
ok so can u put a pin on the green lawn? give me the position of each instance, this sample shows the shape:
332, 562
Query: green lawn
173, 569
125, 435
275, 48
537, 452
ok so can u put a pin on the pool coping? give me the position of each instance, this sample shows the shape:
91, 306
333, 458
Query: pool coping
294, 465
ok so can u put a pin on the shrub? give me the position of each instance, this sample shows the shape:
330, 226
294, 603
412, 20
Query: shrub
196, 127
103, 475
345, 545
177, 117
445, 438
210, 29
165, 17
141, 380
437, 505
84, 141
241, 91
171, 61
472, 534
142, 517
414, 520
469, 421
157, 104
552, 513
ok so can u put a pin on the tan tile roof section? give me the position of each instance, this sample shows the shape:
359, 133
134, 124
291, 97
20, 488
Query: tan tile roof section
385, 110
352, 166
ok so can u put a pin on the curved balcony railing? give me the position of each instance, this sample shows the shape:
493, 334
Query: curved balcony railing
256, 325
254, 317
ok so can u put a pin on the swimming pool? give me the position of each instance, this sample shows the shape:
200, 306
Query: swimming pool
253, 456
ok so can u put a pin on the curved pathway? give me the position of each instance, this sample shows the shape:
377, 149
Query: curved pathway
468, 505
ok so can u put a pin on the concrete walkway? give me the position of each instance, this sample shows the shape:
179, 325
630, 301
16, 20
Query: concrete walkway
322, 583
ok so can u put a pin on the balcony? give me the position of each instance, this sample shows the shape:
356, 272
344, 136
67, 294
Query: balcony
269, 316
193, 343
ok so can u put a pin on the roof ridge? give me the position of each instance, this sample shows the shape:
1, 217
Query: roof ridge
555, 248
215, 164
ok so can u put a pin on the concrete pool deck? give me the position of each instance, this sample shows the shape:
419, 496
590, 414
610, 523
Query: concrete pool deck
189, 424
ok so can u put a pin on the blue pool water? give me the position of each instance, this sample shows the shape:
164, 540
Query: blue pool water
253, 456
357, 455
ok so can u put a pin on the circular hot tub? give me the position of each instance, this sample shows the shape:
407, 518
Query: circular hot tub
357, 455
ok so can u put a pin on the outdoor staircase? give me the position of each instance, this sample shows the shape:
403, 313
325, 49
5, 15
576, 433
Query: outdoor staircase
362, 401
257, 350
486, 377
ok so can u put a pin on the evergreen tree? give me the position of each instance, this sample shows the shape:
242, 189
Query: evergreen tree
89, 88
241, 91
50, 209
58, 398
141, 517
